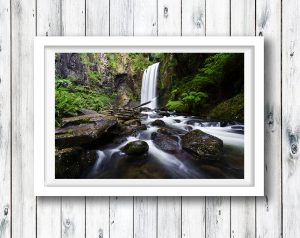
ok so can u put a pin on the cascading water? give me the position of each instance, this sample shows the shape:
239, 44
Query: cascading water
149, 83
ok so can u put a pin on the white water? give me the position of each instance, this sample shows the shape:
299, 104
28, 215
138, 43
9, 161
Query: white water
149, 83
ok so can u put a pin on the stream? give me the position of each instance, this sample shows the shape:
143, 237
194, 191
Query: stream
112, 163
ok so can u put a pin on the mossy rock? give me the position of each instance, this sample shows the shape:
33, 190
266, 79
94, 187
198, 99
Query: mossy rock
202, 145
159, 123
137, 147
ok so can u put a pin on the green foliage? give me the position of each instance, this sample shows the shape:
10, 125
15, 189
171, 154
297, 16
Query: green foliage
113, 60
231, 109
175, 105
69, 98
139, 61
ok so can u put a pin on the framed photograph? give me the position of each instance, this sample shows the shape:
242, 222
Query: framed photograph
149, 116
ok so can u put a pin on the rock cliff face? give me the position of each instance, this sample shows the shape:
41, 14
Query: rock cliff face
102, 71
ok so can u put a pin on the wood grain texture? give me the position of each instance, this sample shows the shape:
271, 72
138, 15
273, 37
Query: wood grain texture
193, 208
290, 118
5, 120
268, 208
97, 18
169, 217
145, 17
73, 217
169, 17
193, 217
218, 208
121, 217
23, 201
73, 208
242, 208
121, 17
193, 18
97, 217
48, 208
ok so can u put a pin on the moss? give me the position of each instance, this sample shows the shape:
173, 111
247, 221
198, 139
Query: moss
231, 109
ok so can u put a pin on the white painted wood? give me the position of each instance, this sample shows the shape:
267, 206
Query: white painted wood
145, 208
217, 217
121, 217
73, 217
169, 217
218, 17
97, 217
23, 200
193, 217
169, 208
169, 17
268, 208
48, 208
73, 17
193, 18
5, 120
97, 18
242, 208
217, 208
290, 118
121, 17
73, 208
145, 217
193, 208
242, 18
48, 217
145, 17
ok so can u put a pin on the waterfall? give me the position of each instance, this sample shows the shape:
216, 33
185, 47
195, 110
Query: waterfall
148, 92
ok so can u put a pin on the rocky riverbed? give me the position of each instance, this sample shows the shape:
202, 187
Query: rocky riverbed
145, 143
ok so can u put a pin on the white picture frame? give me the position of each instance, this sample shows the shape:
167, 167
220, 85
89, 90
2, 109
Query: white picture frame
45, 183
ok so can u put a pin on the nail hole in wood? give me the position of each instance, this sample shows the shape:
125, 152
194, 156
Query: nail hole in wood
260, 33
5, 210
294, 148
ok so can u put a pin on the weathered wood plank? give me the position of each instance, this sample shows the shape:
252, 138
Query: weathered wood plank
218, 208
145, 208
48, 208
145, 217
97, 208
121, 217
193, 208
169, 217
169, 208
193, 18
121, 17
193, 217
290, 118
73, 217
73, 17
97, 18
169, 17
242, 208
73, 208
145, 17
97, 217
5, 120
23, 201
268, 208
218, 17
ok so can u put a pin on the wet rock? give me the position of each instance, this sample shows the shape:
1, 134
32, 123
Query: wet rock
158, 122
132, 122
202, 145
165, 142
177, 120
84, 111
93, 128
136, 147
67, 162
155, 115
164, 113
213, 171
143, 127
171, 131
145, 109
194, 122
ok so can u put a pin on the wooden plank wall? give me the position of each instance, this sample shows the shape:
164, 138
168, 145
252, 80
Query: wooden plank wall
274, 215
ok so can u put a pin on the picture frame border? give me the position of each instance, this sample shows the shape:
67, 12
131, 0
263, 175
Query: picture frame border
45, 183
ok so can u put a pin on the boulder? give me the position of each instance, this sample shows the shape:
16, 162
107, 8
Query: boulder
164, 113
202, 145
165, 142
85, 111
159, 123
90, 129
137, 147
